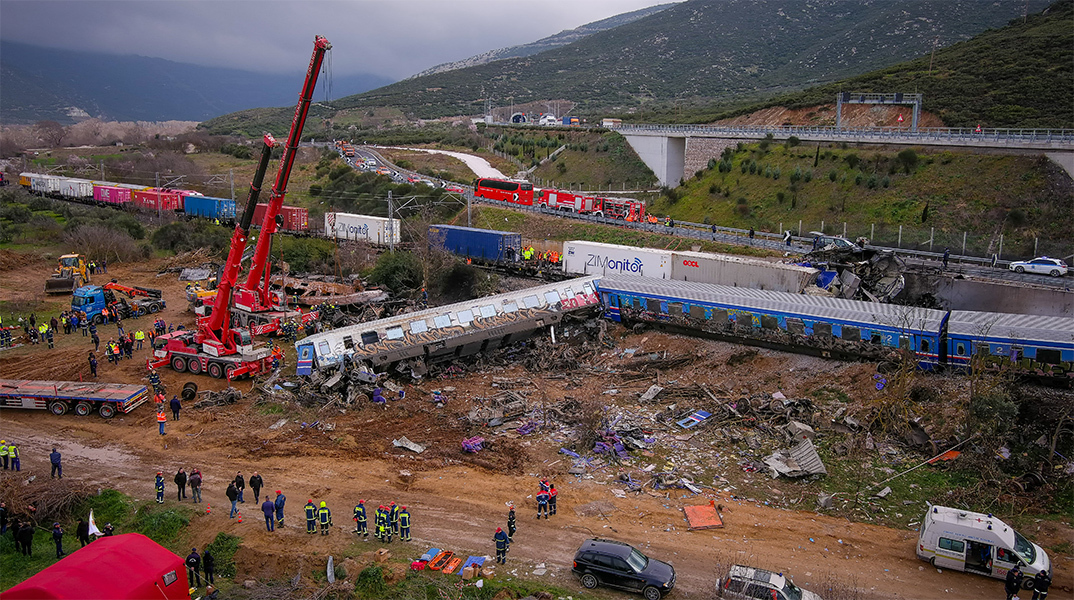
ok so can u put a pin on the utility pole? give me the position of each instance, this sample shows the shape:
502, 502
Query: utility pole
157, 175
469, 199
102, 170
391, 224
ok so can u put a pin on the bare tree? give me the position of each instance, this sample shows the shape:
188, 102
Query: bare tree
50, 133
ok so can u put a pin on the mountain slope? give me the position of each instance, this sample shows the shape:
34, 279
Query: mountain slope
707, 49
568, 36
48, 84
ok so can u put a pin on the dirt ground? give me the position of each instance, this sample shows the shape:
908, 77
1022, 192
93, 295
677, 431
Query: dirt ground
456, 499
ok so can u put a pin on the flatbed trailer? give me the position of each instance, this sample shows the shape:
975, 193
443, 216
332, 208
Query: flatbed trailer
83, 398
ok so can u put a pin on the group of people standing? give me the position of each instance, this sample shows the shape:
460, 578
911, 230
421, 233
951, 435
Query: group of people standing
388, 521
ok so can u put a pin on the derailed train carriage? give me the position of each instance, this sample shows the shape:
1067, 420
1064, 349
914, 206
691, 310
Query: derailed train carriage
846, 329
414, 340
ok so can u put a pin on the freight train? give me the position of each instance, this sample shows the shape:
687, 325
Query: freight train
846, 329
126, 196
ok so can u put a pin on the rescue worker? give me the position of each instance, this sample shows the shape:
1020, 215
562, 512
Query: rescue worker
503, 544
552, 499
175, 406
57, 536
269, 508
161, 420
393, 514
13, 453
325, 517
280, 501
378, 526
49, 337
360, 519
946, 256
404, 525
154, 380
1014, 581
311, 517
193, 567
1041, 582
386, 523
4, 453
57, 468
511, 529
542, 504
139, 337
160, 487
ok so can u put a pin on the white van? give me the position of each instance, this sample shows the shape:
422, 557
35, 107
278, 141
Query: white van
977, 543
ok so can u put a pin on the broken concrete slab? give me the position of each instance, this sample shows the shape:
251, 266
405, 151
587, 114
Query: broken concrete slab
799, 461
651, 393
403, 442
797, 430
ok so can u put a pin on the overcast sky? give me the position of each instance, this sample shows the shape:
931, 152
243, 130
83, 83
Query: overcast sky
392, 38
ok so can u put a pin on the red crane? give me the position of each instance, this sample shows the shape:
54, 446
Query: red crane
255, 305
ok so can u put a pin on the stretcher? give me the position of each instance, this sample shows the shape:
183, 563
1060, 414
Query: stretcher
441, 560
452, 565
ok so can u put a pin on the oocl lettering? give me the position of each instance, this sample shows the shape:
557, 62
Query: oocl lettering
691, 263
610, 264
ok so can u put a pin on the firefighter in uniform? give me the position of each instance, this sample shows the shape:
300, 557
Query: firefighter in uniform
311, 517
154, 380
511, 529
393, 514
377, 532
404, 525
360, 519
502, 545
385, 527
552, 499
160, 487
542, 504
325, 517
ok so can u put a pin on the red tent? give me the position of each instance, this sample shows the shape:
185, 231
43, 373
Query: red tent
120, 567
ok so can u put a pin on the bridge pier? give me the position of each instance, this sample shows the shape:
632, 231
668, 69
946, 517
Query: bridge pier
664, 154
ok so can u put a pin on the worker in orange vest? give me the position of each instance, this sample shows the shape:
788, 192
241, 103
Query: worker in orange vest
161, 419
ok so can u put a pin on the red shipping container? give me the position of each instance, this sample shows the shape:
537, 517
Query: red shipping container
295, 218
156, 199
111, 195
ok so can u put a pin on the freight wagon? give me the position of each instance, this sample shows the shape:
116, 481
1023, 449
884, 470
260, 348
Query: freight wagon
738, 271
208, 207
70, 187
294, 219
593, 258
156, 199
61, 396
481, 244
375, 230
112, 194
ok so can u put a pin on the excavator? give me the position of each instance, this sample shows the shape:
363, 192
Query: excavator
217, 348
256, 306
71, 273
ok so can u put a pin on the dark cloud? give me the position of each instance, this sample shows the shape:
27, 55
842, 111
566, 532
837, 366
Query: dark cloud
393, 38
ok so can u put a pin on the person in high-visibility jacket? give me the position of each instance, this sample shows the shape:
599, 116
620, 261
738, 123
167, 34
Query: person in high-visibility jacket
311, 517
404, 525
360, 520
325, 517
393, 515
161, 420
139, 336
4, 452
13, 452
160, 487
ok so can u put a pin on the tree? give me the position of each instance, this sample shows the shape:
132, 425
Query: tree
908, 159
50, 133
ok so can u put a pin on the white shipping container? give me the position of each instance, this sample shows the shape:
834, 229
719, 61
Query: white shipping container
739, 271
593, 258
71, 187
347, 226
45, 184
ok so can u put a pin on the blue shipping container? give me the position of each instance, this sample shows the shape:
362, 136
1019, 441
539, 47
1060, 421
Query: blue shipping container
483, 244
209, 207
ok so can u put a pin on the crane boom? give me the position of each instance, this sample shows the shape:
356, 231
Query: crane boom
257, 279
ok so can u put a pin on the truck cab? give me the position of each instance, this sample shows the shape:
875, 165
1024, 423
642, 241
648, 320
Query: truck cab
93, 299
979, 543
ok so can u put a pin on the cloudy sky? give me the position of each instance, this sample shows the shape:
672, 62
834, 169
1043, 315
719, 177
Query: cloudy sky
391, 38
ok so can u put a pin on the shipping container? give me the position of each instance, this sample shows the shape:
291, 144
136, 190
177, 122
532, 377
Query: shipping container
593, 258
182, 196
107, 194
46, 185
295, 219
222, 209
738, 271
156, 199
375, 230
75, 188
482, 244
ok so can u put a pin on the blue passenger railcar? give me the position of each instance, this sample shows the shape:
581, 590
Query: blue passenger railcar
1029, 344
826, 326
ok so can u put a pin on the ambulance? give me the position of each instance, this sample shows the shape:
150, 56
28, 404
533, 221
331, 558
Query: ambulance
979, 543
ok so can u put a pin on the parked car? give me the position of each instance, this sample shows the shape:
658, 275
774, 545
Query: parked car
749, 583
835, 242
1042, 265
454, 188
618, 565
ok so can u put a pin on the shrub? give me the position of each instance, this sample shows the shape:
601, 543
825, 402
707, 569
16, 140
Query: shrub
223, 549
796, 175
872, 182
776, 173
780, 195
741, 201
793, 141
908, 159
100, 241
886, 181
370, 582
767, 172
859, 178
714, 189
832, 175
397, 271
852, 160
807, 176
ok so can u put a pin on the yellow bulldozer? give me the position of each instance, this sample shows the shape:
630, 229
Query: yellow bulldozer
71, 274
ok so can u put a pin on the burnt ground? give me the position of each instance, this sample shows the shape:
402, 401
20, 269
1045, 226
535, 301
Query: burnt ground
458, 499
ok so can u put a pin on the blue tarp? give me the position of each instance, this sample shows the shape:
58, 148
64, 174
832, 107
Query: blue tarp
479, 560
825, 278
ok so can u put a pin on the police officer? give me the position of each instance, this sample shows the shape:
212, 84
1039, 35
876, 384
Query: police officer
511, 529
1041, 582
393, 514
160, 487
360, 520
57, 536
325, 517
311, 517
1014, 581
193, 566
503, 544
404, 525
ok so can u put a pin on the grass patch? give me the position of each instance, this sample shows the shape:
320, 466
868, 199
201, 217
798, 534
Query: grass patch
370, 585
223, 549
163, 525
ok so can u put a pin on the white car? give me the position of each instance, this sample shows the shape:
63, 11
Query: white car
748, 583
1042, 265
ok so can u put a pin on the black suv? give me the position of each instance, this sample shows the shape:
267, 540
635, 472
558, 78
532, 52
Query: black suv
618, 565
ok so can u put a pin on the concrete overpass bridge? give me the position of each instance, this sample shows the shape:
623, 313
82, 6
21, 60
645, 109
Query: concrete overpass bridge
664, 147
